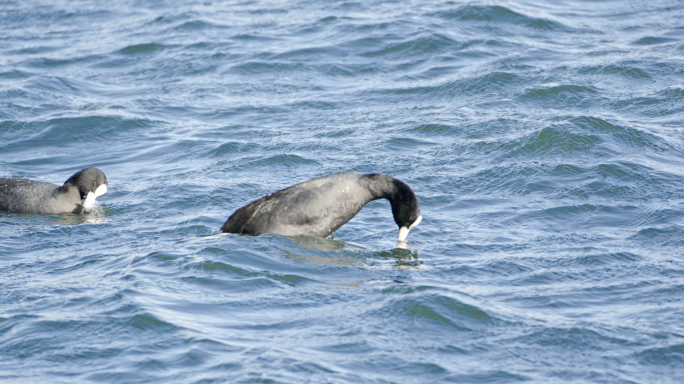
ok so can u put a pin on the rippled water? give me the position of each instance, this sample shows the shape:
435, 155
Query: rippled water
544, 139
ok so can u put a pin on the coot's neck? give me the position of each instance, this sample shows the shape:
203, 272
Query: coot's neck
383, 186
71, 185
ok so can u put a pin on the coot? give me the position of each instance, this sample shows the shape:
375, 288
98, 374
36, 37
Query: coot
76, 195
320, 206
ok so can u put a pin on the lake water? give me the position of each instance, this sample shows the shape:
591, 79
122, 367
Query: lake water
543, 138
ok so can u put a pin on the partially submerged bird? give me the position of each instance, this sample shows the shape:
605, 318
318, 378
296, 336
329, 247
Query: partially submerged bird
76, 195
320, 206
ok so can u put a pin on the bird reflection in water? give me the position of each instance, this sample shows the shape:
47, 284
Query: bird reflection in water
324, 251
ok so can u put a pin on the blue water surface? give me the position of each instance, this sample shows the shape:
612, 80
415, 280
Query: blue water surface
543, 138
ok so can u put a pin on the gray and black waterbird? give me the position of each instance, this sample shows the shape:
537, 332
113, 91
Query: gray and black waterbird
320, 206
76, 195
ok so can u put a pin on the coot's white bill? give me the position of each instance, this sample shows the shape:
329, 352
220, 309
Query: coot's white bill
404, 231
89, 201
101, 190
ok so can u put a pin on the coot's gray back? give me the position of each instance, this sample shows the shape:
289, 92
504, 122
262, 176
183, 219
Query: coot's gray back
28, 196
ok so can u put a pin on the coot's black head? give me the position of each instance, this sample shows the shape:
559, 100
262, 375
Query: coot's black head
88, 180
404, 208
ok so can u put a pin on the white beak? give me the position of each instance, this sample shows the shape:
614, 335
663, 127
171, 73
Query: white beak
404, 231
101, 190
89, 201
